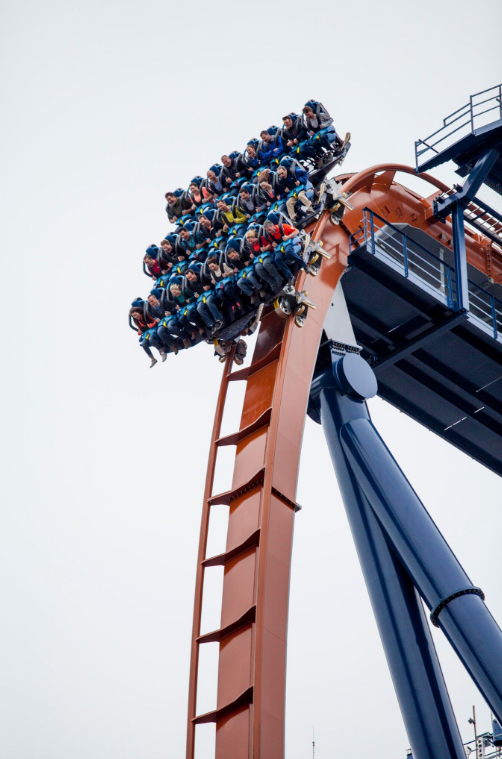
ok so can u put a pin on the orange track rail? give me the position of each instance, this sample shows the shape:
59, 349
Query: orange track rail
250, 707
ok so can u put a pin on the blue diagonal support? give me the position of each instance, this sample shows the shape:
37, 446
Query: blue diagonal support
399, 543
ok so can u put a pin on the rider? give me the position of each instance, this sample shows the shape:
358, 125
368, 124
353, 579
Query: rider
250, 158
177, 204
203, 234
207, 307
168, 255
229, 217
263, 260
224, 287
271, 146
151, 259
195, 193
170, 331
284, 242
233, 169
238, 263
215, 184
147, 331
319, 126
294, 133
252, 200
291, 176
187, 241
181, 292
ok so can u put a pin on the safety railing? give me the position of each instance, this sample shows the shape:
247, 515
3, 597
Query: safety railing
482, 748
414, 261
411, 258
486, 308
461, 122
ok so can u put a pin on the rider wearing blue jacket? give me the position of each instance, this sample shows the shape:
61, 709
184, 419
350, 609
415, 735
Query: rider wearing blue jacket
271, 148
294, 179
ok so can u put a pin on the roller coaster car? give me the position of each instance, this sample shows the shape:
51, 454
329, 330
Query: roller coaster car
334, 157
243, 324
291, 301
287, 301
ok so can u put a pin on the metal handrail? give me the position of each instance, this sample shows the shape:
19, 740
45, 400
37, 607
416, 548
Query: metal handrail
420, 256
484, 306
433, 146
471, 110
494, 751
400, 232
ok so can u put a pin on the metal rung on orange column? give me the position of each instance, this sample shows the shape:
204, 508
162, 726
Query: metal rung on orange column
236, 437
248, 371
217, 635
222, 558
230, 495
246, 697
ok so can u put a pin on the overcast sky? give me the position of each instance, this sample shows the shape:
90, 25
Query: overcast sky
105, 107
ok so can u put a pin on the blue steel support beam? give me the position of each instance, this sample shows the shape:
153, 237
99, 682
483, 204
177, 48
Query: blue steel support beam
455, 204
457, 607
414, 666
460, 258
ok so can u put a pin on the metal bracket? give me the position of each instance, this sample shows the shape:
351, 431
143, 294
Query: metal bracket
443, 206
465, 592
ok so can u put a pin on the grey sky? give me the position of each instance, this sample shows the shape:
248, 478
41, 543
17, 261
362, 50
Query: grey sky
105, 107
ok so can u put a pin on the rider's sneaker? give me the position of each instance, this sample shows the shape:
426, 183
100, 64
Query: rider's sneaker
153, 362
163, 356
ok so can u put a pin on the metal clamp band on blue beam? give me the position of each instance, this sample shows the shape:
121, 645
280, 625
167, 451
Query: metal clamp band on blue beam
444, 601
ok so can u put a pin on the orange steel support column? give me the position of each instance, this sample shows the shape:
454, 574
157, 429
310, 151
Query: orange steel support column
249, 715
252, 664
